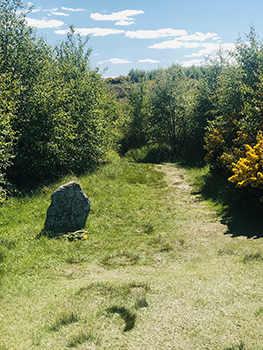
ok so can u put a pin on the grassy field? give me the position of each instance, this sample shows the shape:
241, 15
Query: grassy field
162, 268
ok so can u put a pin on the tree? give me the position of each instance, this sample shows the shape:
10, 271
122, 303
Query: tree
7, 136
136, 133
65, 115
171, 113
238, 117
16, 39
88, 103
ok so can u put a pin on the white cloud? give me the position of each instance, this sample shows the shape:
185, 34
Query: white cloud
72, 10
36, 10
148, 60
116, 61
40, 9
198, 36
95, 54
165, 32
211, 48
196, 62
125, 17
228, 46
155, 34
60, 13
51, 10
216, 38
174, 44
124, 23
54, 9
185, 40
43, 23
196, 40
92, 31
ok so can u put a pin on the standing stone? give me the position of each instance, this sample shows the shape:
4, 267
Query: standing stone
68, 210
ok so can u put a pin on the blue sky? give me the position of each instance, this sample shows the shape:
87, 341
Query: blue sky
147, 34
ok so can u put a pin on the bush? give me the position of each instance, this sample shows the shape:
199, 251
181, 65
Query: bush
248, 171
64, 118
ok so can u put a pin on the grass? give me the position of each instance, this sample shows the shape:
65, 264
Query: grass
161, 268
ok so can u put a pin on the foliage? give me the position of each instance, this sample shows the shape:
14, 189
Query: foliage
13, 54
248, 171
59, 116
238, 116
7, 135
87, 102
64, 118
224, 141
119, 80
172, 103
161, 111
137, 76
136, 133
16, 40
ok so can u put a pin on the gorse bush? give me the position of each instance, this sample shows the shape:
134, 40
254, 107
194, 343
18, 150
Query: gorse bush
248, 171
225, 142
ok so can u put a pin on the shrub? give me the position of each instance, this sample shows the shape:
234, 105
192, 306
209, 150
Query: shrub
248, 171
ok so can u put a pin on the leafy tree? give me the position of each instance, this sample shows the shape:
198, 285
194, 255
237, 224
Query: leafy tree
65, 116
137, 129
7, 136
137, 76
238, 117
88, 103
119, 80
35, 120
248, 55
171, 114
16, 39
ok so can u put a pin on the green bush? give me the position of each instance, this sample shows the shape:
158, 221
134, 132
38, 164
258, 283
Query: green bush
64, 119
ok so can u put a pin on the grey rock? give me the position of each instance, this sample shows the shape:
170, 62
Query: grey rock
68, 210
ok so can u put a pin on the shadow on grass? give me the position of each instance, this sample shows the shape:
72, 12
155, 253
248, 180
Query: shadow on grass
128, 317
31, 187
242, 209
81, 338
240, 346
64, 320
244, 224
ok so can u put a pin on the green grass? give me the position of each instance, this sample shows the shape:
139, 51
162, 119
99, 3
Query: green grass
161, 268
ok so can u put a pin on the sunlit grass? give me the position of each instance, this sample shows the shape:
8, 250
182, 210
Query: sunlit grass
158, 269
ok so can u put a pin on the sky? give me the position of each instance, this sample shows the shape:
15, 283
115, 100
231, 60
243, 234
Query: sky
148, 34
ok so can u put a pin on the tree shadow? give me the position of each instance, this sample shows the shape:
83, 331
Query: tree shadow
244, 224
128, 317
31, 187
242, 208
